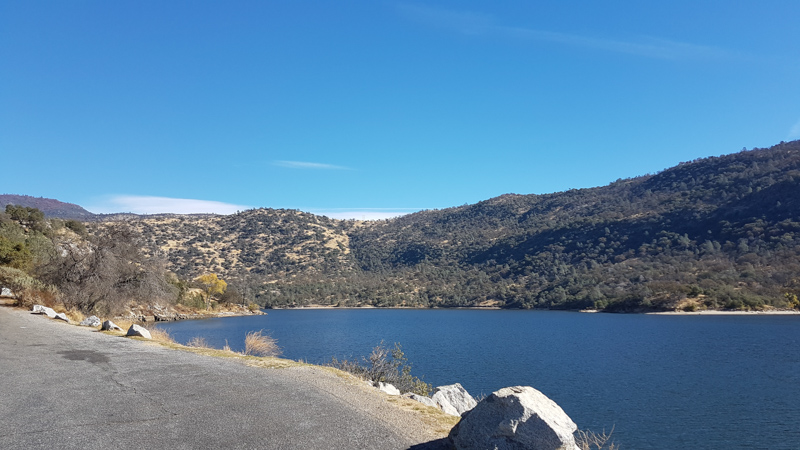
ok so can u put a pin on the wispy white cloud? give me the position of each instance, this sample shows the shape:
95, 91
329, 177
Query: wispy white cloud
794, 133
160, 205
364, 213
478, 24
308, 165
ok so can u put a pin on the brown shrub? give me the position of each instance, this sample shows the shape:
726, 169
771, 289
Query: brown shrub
257, 343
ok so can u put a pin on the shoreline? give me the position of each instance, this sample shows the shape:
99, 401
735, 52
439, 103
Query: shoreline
313, 306
705, 312
717, 312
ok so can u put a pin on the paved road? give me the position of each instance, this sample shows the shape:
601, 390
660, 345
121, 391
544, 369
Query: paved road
63, 386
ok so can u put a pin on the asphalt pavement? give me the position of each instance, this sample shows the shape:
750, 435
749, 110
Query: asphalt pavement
63, 386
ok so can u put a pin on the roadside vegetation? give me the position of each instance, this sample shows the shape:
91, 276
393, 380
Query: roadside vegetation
385, 365
104, 271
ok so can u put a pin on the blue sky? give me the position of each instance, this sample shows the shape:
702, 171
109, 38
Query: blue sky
369, 109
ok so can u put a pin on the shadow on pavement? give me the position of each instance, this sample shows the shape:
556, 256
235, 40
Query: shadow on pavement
439, 444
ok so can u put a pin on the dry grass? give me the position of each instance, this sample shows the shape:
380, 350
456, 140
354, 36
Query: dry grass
124, 324
256, 343
589, 440
269, 362
198, 342
75, 316
160, 335
433, 417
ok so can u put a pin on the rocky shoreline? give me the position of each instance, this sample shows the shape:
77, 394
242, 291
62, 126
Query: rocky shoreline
158, 313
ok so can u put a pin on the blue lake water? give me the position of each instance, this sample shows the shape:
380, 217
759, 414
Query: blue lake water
662, 382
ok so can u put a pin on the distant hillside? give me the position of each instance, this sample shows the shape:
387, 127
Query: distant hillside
720, 232
267, 245
50, 207
716, 232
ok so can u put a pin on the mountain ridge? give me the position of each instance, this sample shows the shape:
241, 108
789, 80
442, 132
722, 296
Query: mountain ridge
717, 232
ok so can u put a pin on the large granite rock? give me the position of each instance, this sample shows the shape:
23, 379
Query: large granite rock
138, 330
515, 418
453, 399
91, 321
109, 325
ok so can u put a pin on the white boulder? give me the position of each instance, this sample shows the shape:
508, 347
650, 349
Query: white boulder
388, 388
453, 399
6, 292
91, 321
62, 316
109, 325
518, 417
39, 309
138, 330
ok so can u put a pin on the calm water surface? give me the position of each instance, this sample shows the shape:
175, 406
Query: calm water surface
662, 382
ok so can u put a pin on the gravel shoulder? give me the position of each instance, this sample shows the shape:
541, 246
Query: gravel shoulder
63, 386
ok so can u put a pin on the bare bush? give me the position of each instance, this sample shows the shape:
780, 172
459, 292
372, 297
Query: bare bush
103, 274
256, 343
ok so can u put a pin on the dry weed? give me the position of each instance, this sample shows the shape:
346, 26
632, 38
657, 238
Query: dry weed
159, 334
589, 440
122, 323
198, 342
75, 316
256, 343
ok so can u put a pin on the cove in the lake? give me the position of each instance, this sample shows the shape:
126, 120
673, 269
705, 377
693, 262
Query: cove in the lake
662, 382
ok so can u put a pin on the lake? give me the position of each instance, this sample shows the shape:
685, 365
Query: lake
662, 382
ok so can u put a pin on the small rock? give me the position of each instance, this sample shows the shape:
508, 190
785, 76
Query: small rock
453, 399
515, 418
62, 316
422, 399
138, 330
109, 325
388, 388
91, 321
6, 292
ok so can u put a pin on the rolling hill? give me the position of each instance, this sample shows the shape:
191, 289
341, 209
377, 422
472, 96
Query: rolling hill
720, 232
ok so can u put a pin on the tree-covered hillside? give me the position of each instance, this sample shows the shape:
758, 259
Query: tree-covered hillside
49, 207
720, 232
